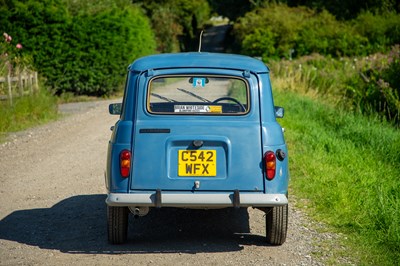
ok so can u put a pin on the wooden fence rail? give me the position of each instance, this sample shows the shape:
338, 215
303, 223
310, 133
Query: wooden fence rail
17, 86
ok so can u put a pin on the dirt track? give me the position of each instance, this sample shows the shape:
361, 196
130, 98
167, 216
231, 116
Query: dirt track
53, 212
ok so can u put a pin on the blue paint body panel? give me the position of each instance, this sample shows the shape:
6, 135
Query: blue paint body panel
240, 138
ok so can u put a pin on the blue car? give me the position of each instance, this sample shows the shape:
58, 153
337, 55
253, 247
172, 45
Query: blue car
197, 130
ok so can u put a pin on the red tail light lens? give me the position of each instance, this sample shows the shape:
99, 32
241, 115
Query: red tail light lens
125, 163
270, 164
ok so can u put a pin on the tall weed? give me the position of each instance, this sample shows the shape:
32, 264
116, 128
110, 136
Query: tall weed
368, 85
377, 87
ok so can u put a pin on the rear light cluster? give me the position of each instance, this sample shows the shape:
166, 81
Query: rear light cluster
270, 164
125, 163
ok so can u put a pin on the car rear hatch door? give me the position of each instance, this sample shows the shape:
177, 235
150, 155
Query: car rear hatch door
191, 135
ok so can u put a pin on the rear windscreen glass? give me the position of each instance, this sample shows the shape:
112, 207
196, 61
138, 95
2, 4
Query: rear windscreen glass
200, 95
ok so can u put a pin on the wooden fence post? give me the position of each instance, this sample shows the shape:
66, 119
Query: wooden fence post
36, 81
9, 89
29, 82
20, 85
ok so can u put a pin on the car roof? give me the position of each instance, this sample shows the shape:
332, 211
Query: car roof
199, 60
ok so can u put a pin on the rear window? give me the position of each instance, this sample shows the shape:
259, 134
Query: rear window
200, 95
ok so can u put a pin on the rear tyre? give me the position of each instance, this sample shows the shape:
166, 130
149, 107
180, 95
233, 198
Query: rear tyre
117, 219
276, 224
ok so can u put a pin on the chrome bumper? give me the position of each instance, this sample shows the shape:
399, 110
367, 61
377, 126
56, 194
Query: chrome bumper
196, 199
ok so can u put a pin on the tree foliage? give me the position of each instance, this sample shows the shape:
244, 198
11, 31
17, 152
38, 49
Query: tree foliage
279, 31
78, 50
381, 30
349, 9
234, 9
176, 22
84, 46
167, 29
231, 9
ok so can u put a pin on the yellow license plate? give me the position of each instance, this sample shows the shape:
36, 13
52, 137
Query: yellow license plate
197, 163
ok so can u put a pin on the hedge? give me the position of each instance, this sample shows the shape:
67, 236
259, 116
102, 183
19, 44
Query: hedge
84, 53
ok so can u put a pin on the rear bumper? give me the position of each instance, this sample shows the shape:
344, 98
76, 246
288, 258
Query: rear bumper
190, 199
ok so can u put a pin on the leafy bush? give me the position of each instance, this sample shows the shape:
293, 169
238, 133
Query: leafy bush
176, 22
348, 9
39, 25
167, 30
260, 43
84, 53
278, 31
381, 30
270, 32
100, 49
323, 34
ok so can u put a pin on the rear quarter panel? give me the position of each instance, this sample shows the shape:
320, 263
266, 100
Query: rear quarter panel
272, 137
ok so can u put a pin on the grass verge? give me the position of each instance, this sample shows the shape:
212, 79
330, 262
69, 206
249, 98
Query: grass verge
347, 167
26, 112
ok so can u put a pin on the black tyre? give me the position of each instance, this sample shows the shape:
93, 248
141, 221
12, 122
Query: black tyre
276, 224
117, 219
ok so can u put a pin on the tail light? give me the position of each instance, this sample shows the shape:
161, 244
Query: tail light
270, 164
125, 163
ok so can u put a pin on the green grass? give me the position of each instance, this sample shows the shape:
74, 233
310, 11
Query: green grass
26, 112
348, 167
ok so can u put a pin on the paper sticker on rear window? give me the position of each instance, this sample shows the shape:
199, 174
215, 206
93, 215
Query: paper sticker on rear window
197, 109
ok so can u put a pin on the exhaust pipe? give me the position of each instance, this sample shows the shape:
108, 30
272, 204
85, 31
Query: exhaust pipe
139, 211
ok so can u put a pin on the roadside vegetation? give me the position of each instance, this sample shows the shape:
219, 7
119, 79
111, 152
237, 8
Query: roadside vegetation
27, 112
278, 31
77, 46
336, 74
368, 85
80, 49
176, 23
335, 67
345, 168
342, 121
355, 62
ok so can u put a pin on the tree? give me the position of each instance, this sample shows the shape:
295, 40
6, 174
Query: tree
349, 9
185, 17
231, 9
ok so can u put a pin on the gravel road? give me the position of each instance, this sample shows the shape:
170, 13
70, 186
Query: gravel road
53, 212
